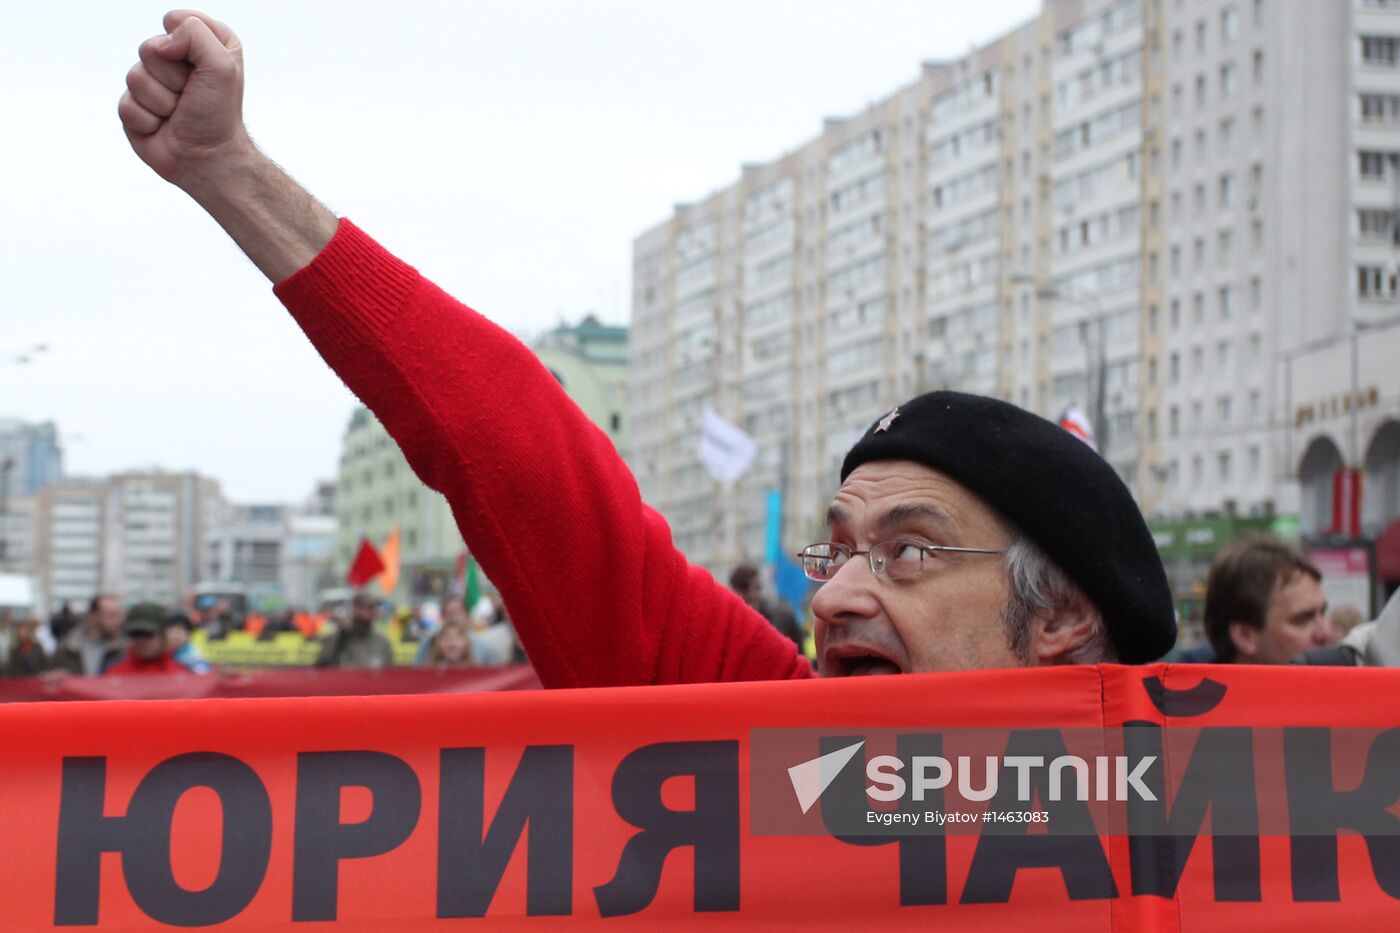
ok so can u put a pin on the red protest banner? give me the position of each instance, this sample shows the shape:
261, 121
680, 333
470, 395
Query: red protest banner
634, 807
272, 682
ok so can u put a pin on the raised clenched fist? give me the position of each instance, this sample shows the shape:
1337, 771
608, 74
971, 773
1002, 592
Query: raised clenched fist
183, 106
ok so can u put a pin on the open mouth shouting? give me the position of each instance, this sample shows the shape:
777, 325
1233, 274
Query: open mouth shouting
857, 660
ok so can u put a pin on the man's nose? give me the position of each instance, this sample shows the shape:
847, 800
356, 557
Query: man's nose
849, 594
1322, 631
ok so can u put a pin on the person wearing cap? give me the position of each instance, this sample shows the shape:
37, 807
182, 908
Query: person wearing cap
967, 533
149, 653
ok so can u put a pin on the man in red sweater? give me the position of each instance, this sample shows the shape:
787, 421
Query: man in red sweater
149, 652
966, 533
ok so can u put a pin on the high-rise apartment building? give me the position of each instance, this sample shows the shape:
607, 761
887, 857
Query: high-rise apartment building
1145, 208
29, 456
68, 547
138, 535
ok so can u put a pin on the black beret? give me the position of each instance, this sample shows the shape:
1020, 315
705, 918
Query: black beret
1054, 488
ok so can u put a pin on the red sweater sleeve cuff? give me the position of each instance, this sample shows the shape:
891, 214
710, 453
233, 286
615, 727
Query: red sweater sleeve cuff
353, 288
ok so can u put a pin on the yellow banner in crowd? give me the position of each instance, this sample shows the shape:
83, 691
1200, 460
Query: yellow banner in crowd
284, 649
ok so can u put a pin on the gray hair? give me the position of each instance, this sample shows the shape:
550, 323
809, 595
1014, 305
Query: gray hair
1037, 586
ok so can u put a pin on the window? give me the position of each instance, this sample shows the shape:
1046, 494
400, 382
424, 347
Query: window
1223, 355
1199, 198
1174, 368
1375, 223
1380, 51
1254, 462
1224, 241
1258, 68
1198, 362
1257, 121
1375, 282
1198, 308
1176, 314
1256, 294
1222, 462
1227, 189
1227, 79
1198, 254
1200, 91
1380, 108
1256, 237
1373, 164
1176, 154
1174, 421
1200, 36
1227, 135
1226, 306
1176, 100
1176, 260
1229, 24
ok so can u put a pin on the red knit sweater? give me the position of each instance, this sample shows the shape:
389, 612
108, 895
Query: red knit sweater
598, 593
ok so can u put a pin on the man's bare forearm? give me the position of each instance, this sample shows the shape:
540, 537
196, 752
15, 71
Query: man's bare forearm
274, 220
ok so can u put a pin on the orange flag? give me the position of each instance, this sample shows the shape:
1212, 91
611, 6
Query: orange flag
389, 578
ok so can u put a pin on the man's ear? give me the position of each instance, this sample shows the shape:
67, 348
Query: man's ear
1246, 640
1056, 633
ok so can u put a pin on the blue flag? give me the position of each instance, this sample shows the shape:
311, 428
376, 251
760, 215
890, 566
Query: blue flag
788, 579
791, 583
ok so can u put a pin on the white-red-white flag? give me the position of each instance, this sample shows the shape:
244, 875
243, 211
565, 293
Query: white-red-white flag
1077, 423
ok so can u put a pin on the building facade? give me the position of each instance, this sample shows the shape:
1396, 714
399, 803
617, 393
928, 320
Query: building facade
246, 547
1149, 209
138, 535
30, 456
590, 361
378, 492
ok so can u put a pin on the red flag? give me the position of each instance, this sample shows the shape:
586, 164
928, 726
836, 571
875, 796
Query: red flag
366, 566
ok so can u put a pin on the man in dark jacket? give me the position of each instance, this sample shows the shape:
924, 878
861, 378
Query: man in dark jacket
98, 643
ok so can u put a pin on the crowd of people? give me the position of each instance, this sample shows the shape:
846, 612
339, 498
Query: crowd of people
1264, 605
148, 638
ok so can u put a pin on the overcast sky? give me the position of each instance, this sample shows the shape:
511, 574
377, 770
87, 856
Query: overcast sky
511, 151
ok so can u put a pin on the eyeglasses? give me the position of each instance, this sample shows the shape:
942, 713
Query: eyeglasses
900, 561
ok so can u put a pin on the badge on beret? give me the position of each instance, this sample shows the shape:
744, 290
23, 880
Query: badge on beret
888, 420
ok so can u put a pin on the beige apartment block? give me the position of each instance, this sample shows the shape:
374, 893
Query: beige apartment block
1149, 209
